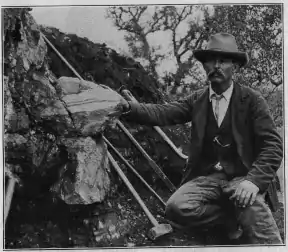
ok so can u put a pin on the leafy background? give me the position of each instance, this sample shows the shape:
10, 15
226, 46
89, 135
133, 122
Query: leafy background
257, 29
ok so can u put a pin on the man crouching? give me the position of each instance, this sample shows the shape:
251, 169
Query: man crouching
235, 150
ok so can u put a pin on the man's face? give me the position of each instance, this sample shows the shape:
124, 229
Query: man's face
219, 69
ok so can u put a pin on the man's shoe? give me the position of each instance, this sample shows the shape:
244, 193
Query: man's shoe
235, 234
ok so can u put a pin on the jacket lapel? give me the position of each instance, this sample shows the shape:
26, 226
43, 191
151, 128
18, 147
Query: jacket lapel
200, 116
238, 110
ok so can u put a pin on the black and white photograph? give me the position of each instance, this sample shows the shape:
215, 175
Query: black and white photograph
137, 125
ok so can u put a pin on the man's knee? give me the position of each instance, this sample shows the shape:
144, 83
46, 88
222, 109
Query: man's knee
255, 213
258, 223
177, 209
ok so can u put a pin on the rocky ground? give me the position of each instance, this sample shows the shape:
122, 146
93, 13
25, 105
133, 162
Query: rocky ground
46, 223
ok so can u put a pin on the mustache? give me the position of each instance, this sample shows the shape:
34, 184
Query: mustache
218, 71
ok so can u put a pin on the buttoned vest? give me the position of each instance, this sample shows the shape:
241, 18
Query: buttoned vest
219, 146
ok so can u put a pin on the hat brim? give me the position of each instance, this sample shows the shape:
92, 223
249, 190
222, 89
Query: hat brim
240, 57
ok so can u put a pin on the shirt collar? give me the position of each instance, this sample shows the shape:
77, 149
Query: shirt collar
227, 94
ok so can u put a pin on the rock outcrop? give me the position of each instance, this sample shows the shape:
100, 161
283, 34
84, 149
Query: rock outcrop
47, 119
100, 64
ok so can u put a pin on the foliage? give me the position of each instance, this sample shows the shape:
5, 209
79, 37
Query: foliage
140, 22
257, 29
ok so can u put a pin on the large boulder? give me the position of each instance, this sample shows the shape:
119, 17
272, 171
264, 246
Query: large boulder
88, 104
84, 179
76, 108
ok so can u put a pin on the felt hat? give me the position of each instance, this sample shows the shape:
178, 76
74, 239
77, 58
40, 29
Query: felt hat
223, 44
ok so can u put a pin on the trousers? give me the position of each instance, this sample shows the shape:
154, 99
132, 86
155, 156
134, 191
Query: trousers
204, 202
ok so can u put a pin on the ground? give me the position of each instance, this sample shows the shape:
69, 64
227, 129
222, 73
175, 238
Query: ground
44, 223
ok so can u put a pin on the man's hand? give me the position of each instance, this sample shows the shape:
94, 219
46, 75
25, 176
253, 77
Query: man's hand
245, 194
122, 107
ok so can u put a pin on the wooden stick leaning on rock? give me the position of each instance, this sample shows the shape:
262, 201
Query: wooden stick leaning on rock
135, 172
158, 229
9, 193
150, 161
8, 197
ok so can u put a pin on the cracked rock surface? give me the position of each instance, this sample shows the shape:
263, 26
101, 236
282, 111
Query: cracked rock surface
84, 179
87, 104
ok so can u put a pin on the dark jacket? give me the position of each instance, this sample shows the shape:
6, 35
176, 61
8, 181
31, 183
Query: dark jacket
258, 143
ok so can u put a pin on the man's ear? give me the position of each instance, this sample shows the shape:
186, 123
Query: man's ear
236, 67
204, 66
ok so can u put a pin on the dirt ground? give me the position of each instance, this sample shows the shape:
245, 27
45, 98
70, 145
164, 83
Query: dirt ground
46, 223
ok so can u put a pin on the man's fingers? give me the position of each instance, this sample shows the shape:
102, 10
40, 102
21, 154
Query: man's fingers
253, 198
238, 192
247, 199
242, 197
245, 194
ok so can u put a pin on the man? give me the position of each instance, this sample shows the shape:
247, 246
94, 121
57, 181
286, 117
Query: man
235, 149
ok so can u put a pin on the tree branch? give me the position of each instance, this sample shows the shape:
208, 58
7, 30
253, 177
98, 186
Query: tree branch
156, 21
175, 49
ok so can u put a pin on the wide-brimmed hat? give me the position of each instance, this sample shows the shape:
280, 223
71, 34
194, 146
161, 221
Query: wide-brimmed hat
222, 44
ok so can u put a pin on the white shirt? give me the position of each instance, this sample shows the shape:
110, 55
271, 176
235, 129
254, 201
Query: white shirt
223, 103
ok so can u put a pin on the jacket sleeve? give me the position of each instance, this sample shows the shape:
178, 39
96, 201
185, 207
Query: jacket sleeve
161, 114
269, 144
